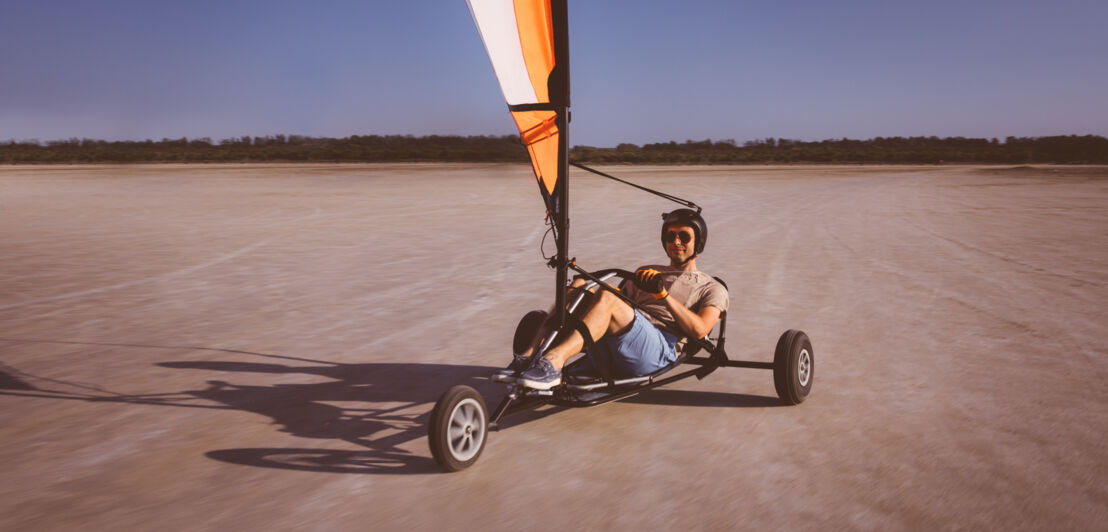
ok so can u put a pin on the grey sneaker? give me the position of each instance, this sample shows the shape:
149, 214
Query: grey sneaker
519, 363
541, 376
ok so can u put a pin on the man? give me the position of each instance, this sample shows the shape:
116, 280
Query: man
635, 343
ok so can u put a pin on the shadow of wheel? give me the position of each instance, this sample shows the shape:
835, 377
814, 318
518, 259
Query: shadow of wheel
327, 460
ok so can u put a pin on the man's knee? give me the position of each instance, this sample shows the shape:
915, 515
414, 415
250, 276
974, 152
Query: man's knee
618, 311
607, 298
599, 301
586, 305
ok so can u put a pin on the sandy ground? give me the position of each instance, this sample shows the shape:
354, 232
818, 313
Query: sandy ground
258, 347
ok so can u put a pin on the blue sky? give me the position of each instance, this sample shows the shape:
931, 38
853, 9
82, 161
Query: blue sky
642, 71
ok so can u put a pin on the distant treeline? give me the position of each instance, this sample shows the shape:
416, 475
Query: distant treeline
274, 148
1088, 149
1072, 149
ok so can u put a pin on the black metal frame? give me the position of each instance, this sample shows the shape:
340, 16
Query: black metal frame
558, 205
520, 399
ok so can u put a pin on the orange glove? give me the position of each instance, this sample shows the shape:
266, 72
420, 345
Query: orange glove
650, 280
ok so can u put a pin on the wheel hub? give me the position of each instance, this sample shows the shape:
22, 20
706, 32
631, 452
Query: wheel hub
804, 367
466, 437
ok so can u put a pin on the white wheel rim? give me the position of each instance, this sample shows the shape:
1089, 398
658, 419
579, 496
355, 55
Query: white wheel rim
804, 367
465, 431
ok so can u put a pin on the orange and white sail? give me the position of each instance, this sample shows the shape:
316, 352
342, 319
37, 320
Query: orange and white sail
526, 42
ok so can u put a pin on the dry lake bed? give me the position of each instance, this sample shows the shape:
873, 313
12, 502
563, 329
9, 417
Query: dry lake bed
258, 347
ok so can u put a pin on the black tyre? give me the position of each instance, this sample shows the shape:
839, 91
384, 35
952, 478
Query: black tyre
527, 329
458, 429
794, 365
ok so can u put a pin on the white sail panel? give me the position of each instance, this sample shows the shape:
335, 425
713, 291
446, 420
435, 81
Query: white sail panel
496, 22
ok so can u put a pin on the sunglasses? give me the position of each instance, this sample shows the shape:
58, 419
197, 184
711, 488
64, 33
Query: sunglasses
685, 236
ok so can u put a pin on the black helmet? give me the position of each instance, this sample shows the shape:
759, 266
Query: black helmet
690, 218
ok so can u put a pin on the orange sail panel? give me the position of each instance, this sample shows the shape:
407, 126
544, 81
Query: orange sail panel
519, 38
538, 132
536, 37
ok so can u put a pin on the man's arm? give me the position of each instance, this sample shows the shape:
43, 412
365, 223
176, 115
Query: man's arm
696, 325
693, 324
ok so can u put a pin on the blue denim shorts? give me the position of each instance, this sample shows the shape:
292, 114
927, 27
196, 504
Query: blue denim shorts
642, 350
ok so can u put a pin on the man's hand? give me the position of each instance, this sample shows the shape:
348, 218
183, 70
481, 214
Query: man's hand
650, 280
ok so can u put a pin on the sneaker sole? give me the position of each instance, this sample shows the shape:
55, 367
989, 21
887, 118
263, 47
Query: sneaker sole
538, 385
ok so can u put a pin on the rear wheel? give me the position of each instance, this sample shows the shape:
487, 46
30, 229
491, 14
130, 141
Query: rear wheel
459, 425
793, 367
527, 330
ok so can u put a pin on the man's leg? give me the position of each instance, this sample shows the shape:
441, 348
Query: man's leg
542, 332
608, 315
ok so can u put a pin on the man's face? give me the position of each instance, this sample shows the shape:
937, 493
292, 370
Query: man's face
679, 242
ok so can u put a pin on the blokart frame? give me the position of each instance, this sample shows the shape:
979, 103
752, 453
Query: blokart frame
460, 422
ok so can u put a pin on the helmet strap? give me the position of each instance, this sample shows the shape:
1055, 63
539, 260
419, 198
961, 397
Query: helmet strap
686, 261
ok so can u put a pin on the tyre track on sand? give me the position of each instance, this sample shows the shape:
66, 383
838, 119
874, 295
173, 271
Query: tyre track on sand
476, 305
484, 302
961, 262
1022, 298
163, 276
1005, 258
127, 284
802, 217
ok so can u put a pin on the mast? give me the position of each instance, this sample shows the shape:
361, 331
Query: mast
559, 81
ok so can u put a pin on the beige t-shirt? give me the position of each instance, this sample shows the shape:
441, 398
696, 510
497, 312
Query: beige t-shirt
694, 289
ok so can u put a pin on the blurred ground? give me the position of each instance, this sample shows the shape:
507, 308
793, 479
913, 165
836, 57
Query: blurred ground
203, 347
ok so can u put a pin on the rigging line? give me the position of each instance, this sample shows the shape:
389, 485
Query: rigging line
542, 245
670, 197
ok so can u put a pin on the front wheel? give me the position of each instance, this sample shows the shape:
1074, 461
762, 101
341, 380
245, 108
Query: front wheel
794, 365
459, 425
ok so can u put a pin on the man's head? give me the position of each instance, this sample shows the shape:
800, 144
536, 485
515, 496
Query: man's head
684, 233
